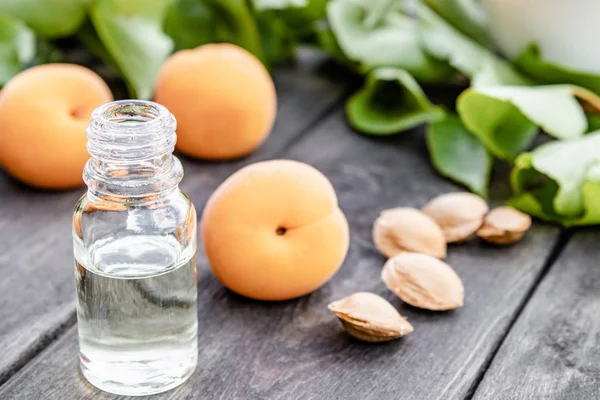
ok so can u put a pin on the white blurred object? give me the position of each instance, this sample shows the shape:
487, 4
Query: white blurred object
566, 31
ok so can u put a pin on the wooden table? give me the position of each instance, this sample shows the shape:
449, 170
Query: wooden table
530, 327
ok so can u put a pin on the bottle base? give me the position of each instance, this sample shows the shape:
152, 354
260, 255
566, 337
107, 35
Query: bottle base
137, 380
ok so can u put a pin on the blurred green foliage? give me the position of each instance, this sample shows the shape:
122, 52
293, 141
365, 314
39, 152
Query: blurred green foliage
17, 46
395, 44
378, 34
131, 31
136, 36
48, 18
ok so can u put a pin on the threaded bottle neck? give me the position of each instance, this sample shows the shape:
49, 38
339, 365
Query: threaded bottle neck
131, 143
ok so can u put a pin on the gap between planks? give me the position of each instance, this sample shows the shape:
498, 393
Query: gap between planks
33, 352
557, 248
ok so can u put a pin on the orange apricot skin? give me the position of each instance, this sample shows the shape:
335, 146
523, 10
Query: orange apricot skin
223, 98
274, 231
44, 112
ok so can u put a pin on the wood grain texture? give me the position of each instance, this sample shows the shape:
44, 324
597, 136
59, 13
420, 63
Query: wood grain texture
554, 348
37, 293
297, 349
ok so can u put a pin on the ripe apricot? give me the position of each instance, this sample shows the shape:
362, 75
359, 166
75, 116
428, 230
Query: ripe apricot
274, 231
222, 97
43, 115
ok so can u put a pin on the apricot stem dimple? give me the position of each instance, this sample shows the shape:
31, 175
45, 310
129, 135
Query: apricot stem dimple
281, 231
76, 113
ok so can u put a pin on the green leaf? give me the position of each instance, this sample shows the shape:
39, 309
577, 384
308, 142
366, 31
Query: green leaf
553, 108
459, 155
560, 181
593, 120
494, 72
503, 129
190, 23
48, 18
46, 52
277, 40
506, 118
445, 42
17, 47
567, 163
315, 10
261, 5
239, 26
391, 101
533, 191
328, 43
377, 34
302, 22
92, 42
131, 32
468, 16
531, 62
591, 195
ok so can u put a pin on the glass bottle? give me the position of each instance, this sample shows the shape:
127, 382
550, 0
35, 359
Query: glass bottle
134, 237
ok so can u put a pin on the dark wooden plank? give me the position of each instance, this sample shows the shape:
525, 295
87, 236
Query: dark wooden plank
296, 349
553, 351
37, 285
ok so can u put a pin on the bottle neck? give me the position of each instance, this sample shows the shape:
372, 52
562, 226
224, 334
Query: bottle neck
131, 143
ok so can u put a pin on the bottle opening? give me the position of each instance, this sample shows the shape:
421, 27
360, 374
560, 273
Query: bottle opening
131, 143
125, 126
134, 113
